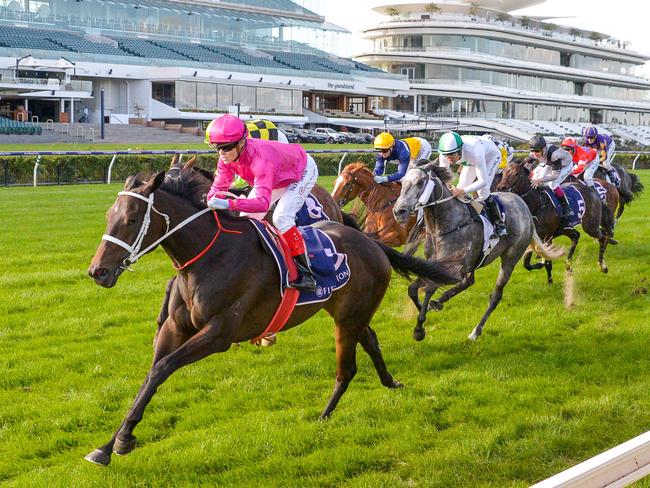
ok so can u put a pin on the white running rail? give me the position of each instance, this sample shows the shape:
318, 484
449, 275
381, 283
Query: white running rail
618, 467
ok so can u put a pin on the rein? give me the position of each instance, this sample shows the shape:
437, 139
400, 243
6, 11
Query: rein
134, 250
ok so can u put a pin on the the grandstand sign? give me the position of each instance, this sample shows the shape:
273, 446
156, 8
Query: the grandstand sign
340, 86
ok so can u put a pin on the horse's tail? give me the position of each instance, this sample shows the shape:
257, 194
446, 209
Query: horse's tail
438, 272
635, 185
626, 195
349, 220
546, 249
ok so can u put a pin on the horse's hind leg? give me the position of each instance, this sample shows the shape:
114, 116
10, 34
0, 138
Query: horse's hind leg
495, 296
346, 364
548, 265
370, 344
528, 266
601, 253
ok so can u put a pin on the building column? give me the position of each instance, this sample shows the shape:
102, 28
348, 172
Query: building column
415, 104
72, 110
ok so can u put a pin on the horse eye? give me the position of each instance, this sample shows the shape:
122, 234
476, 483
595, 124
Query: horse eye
131, 221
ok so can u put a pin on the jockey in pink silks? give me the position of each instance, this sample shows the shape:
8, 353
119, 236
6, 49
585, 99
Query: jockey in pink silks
282, 173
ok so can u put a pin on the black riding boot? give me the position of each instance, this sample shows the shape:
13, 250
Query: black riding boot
567, 213
306, 280
495, 216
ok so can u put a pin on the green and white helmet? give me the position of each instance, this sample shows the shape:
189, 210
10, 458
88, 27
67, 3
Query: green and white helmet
450, 142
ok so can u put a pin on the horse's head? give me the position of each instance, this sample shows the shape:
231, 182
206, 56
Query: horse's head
515, 178
354, 178
127, 223
423, 184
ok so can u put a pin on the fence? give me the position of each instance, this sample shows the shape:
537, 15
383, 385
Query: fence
29, 167
25, 170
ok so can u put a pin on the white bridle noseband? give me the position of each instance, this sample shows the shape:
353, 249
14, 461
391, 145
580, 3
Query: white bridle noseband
425, 197
134, 249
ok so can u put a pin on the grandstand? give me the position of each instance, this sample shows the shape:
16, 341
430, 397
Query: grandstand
468, 61
182, 63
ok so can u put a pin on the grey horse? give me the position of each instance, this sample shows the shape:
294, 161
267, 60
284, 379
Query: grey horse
456, 235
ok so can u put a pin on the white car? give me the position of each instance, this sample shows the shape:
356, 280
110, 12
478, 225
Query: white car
332, 135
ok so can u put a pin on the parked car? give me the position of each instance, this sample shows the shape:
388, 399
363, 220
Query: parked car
332, 135
317, 137
291, 135
356, 138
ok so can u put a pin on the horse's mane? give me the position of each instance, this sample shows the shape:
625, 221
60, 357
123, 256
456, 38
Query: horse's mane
185, 183
444, 174
358, 166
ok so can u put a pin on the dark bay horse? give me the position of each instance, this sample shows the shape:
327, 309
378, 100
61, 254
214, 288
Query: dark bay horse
516, 179
232, 292
356, 180
456, 235
629, 189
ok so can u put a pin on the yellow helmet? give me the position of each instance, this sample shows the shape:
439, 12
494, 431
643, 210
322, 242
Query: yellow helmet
384, 141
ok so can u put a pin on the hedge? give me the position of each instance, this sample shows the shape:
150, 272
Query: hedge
87, 169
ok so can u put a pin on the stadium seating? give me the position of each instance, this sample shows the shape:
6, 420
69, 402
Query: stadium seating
8, 126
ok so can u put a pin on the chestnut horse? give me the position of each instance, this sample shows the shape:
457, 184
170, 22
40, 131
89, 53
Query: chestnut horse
597, 221
231, 293
356, 180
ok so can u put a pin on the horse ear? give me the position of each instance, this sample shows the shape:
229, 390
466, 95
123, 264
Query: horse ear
154, 183
174, 161
190, 164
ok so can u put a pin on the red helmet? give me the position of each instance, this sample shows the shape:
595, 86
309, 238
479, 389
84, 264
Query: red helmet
225, 130
569, 142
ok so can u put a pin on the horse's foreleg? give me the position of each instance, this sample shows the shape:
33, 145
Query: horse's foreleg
413, 292
370, 344
419, 332
207, 341
495, 296
346, 364
528, 264
164, 312
574, 236
452, 292
548, 265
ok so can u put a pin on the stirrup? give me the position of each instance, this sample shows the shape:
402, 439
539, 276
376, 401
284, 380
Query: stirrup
305, 282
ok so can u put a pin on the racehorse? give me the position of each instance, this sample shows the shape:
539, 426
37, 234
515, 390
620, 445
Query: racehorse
456, 235
629, 189
231, 293
516, 179
356, 180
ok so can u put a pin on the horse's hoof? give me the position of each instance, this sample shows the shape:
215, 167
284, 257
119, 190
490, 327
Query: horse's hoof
122, 448
612, 241
436, 305
98, 457
396, 385
604, 269
473, 336
549, 282
419, 334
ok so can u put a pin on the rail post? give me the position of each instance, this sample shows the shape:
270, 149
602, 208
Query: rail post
38, 160
110, 169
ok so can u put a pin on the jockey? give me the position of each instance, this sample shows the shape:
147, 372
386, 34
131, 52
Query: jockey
584, 158
402, 151
257, 129
602, 143
507, 152
555, 164
479, 158
281, 173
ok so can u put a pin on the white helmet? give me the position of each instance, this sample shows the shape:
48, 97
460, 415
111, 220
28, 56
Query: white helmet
449, 143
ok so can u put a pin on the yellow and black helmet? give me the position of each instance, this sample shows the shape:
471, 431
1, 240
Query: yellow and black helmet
262, 129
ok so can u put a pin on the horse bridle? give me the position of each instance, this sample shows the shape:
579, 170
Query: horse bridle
349, 190
425, 199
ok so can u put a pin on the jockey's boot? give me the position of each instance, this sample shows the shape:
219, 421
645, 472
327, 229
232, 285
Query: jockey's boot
305, 280
296, 243
567, 213
495, 216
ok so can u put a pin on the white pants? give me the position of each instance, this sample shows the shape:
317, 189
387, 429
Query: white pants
590, 169
611, 150
468, 175
542, 171
290, 199
424, 153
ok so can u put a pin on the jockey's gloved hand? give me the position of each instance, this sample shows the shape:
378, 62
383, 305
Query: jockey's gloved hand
216, 203
381, 179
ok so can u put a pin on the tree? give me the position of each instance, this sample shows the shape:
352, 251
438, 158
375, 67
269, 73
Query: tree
138, 109
432, 8
574, 32
503, 17
473, 9
525, 22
